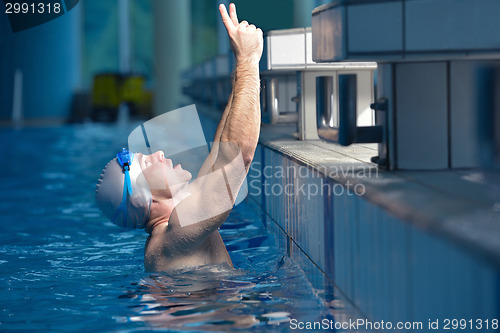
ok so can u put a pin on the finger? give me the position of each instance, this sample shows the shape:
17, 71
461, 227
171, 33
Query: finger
259, 30
244, 23
228, 23
252, 27
232, 14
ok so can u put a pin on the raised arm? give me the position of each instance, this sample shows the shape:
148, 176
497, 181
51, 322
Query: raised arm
240, 122
213, 193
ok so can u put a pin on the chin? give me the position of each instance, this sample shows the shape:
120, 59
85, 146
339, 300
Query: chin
180, 187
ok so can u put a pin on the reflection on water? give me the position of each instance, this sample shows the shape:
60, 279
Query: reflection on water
216, 298
209, 298
263, 294
65, 268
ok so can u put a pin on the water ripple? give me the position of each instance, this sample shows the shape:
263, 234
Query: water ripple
66, 268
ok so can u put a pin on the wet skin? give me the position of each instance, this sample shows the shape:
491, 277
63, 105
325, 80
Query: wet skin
185, 216
169, 184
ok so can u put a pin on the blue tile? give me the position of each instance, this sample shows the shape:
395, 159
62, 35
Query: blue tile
277, 200
314, 220
386, 35
386, 260
303, 220
421, 89
380, 270
273, 199
464, 125
347, 223
453, 282
488, 290
363, 287
424, 275
388, 248
290, 198
338, 238
458, 283
267, 179
328, 238
399, 270
343, 253
366, 289
448, 25
369, 254
444, 279
357, 269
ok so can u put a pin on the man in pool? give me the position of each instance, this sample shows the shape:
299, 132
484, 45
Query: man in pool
182, 218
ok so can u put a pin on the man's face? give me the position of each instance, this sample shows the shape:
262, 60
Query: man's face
164, 180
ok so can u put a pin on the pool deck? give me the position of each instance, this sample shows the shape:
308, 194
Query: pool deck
403, 249
460, 205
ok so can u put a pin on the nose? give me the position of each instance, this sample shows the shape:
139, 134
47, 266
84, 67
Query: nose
159, 154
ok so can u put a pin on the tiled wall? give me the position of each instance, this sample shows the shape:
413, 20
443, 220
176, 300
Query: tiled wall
380, 266
387, 268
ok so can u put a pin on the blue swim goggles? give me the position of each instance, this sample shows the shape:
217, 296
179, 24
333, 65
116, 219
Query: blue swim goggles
125, 158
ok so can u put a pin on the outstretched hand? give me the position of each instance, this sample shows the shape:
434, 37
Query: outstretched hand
246, 39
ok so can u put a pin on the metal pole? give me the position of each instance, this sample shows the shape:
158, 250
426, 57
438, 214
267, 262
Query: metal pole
125, 51
172, 52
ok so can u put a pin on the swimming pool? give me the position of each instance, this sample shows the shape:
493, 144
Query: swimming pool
66, 268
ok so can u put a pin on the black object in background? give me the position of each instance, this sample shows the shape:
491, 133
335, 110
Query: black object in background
488, 88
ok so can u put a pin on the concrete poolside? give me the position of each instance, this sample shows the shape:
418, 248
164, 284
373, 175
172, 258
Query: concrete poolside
413, 246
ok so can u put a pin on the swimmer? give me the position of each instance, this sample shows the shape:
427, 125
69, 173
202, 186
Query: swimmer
182, 218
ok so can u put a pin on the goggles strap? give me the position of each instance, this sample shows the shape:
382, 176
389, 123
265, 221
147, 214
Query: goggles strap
127, 179
127, 184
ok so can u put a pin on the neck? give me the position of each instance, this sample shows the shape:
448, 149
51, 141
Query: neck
161, 209
160, 214
154, 223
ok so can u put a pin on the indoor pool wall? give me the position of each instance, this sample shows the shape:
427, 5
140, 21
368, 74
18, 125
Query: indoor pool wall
358, 254
386, 267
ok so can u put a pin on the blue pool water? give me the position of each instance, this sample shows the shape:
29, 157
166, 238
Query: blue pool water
64, 267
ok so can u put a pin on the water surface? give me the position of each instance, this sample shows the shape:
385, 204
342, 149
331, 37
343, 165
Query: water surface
64, 267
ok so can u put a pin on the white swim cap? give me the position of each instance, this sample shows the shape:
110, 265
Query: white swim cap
123, 194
